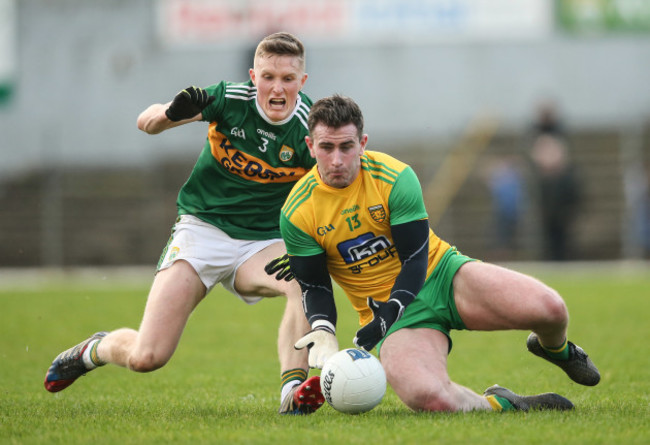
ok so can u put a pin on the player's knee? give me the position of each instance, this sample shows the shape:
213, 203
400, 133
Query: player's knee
146, 361
427, 396
554, 308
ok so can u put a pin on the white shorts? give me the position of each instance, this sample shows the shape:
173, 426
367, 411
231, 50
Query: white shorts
213, 254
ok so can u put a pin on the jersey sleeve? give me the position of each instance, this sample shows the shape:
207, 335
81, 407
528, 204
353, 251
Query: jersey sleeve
213, 112
405, 201
298, 242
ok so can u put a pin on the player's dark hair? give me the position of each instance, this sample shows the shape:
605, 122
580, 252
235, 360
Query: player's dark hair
282, 44
336, 111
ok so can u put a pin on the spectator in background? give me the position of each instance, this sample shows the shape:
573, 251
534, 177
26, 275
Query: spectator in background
557, 193
637, 193
645, 213
506, 184
555, 183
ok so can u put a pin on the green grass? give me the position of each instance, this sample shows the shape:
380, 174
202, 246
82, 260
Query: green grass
222, 385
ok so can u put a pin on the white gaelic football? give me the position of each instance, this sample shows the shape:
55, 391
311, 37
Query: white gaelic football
353, 381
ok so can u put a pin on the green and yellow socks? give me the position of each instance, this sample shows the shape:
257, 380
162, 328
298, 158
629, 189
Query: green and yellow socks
557, 353
89, 356
500, 404
291, 379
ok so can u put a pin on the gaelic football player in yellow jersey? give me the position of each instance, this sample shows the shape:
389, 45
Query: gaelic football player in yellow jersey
227, 228
359, 217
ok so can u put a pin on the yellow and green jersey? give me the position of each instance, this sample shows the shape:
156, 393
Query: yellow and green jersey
352, 226
248, 164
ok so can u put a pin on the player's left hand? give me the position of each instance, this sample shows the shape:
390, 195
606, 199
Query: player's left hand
385, 314
281, 266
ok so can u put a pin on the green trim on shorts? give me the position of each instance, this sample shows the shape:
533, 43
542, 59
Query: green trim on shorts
434, 307
169, 241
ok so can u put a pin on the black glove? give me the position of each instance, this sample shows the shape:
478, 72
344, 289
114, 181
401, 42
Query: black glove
281, 266
385, 314
188, 103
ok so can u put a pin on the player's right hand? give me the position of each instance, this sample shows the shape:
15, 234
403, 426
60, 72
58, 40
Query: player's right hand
281, 266
322, 344
188, 103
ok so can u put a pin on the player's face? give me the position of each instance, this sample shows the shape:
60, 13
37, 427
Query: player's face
338, 153
278, 80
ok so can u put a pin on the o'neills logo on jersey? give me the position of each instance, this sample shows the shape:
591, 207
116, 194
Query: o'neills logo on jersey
378, 213
267, 134
248, 166
286, 153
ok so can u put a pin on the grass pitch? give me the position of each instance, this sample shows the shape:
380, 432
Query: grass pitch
222, 385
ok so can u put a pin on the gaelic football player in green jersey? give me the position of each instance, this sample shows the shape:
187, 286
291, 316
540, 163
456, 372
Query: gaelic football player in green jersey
227, 228
359, 218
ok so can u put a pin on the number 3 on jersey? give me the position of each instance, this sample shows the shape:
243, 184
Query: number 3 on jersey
265, 142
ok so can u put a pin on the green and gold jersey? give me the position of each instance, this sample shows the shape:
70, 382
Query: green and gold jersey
353, 226
248, 164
